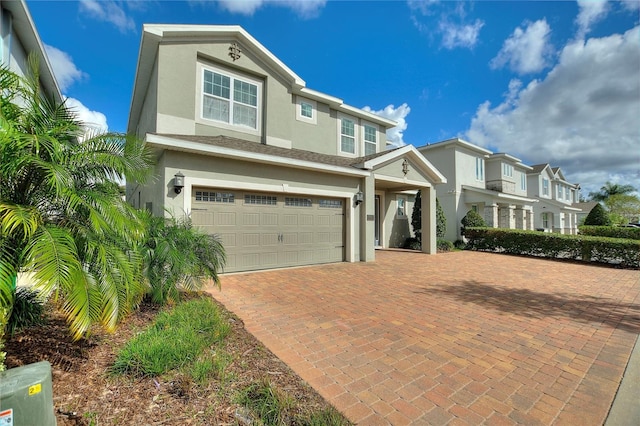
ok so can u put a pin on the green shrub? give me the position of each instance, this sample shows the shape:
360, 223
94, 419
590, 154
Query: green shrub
617, 251
28, 310
176, 339
444, 245
472, 220
611, 232
598, 216
441, 221
460, 244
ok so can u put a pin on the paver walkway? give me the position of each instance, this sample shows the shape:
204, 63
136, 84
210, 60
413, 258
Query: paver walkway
456, 338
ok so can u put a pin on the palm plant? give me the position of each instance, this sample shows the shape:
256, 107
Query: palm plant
178, 256
62, 216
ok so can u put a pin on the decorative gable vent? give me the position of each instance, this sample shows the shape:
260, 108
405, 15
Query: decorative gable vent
234, 51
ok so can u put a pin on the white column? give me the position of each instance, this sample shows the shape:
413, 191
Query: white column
429, 238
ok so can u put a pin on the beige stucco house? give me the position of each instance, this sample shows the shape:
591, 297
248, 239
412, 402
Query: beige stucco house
555, 211
19, 38
283, 174
492, 184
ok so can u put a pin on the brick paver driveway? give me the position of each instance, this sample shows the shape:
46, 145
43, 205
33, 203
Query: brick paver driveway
458, 338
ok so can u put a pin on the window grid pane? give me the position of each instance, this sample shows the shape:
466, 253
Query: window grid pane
306, 110
266, 200
297, 202
216, 109
215, 197
245, 115
330, 204
245, 92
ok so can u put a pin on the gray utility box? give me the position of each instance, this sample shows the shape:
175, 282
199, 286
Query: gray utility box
26, 396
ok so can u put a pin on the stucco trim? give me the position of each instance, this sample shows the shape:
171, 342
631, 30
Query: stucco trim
500, 195
418, 159
198, 148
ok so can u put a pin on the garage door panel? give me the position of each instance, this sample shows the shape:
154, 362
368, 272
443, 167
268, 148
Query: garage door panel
269, 219
225, 219
251, 219
270, 239
260, 230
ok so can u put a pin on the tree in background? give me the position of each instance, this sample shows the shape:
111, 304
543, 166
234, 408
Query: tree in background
416, 218
62, 217
598, 217
623, 208
609, 189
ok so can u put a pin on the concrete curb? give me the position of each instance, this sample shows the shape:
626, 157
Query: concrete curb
625, 409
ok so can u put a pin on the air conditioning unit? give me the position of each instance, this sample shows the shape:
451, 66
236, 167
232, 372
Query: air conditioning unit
26, 396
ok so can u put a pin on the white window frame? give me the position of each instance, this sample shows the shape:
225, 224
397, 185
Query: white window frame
523, 182
355, 135
480, 169
314, 110
401, 206
201, 119
369, 143
567, 193
545, 186
507, 170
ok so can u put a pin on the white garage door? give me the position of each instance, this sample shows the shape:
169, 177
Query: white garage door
262, 230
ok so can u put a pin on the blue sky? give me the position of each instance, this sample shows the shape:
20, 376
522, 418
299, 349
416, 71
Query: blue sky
549, 82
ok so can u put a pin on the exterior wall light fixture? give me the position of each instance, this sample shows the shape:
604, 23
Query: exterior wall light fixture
178, 182
358, 198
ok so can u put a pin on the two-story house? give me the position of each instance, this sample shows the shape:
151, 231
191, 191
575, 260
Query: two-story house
494, 185
283, 174
554, 211
18, 39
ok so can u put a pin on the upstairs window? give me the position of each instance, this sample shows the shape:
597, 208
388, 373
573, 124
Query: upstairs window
479, 168
507, 170
370, 140
545, 186
306, 110
347, 135
230, 99
523, 182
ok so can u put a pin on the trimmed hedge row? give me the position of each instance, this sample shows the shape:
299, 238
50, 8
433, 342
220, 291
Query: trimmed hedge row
622, 252
610, 231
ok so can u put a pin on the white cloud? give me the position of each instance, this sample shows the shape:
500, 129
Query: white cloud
304, 8
583, 116
455, 35
94, 121
395, 134
64, 69
108, 11
591, 11
451, 24
526, 50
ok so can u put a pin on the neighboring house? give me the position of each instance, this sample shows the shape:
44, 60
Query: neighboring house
494, 185
285, 175
554, 212
585, 209
19, 38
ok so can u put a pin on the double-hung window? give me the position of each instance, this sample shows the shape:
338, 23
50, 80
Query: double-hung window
347, 135
545, 186
370, 140
523, 182
507, 170
479, 168
230, 99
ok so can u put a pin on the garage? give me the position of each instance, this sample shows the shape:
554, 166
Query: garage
264, 230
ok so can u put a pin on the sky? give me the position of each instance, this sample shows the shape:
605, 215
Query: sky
553, 82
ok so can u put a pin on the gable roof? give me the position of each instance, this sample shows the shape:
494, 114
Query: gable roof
153, 34
224, 146
456, 142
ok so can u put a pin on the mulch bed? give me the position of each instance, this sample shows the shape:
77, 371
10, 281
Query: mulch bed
85, 393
